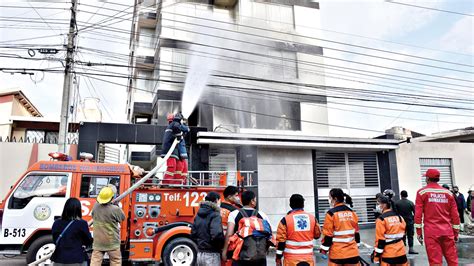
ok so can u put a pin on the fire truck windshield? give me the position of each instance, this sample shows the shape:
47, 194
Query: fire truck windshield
39, 185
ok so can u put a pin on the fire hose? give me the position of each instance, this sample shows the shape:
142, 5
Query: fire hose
123, 195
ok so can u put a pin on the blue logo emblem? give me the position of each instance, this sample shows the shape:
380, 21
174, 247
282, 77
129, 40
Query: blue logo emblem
302, 223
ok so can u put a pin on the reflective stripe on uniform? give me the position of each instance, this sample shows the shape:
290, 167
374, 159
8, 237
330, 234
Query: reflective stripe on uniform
394, 236
433, 190
324, 248
378, 250
346, 232
299, 251
342, 240
279, 252
299, 244
417, 225
457, 226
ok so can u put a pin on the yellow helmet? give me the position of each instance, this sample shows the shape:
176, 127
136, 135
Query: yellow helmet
105, 195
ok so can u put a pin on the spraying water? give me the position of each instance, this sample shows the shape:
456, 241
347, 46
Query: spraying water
199, 72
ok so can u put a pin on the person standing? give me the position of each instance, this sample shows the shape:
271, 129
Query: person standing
107, 218
173, 164
406, 209
389, 233
461, 204
437, 220
234, 224
341, 230
295, 234
470, 204
230, 203
71, 234
207, 231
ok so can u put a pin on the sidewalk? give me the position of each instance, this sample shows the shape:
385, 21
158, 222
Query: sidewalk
465, 251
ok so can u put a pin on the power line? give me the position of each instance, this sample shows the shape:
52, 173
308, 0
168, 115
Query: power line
430, 8
300, 35
324, 73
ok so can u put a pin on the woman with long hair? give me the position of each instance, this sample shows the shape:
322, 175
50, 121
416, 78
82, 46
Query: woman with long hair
389, 249
341, 230
71, 235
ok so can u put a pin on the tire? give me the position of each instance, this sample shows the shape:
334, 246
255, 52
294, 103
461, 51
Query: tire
180, 251
42, 244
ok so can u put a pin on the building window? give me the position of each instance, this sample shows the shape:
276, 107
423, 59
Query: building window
356, 173
442, 164
164, 108
92, 184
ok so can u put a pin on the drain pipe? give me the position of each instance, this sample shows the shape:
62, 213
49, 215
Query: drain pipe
123, 195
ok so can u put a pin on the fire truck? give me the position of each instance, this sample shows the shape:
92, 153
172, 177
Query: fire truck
157, 228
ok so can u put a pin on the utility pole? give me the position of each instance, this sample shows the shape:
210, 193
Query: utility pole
71, 43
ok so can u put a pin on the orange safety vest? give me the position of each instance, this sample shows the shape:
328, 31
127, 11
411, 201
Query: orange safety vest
226, 209
341, 232
389, 233
295, 235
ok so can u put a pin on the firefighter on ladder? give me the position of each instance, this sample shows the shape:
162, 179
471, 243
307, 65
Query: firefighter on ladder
295, 234
436, 208
174, 165
389, 248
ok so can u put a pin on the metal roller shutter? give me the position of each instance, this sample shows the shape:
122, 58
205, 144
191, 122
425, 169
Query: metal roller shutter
442, 164
356, 173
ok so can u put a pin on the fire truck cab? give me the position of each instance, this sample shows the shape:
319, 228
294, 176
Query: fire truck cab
157, 227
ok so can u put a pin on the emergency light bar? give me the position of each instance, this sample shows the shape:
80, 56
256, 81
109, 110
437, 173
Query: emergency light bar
86, 156
58, 156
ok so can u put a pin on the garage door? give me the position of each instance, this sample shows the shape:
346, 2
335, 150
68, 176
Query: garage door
442, 164
356, 173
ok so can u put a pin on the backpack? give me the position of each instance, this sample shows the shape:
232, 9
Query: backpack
255, 233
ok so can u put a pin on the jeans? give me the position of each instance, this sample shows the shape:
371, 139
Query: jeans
208, 259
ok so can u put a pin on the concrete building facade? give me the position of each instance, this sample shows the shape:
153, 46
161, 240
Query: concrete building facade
263, 108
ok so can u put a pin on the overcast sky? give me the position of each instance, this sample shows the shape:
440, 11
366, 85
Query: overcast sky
444, 36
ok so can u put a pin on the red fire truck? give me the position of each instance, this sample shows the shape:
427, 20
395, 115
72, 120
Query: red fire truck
157, 227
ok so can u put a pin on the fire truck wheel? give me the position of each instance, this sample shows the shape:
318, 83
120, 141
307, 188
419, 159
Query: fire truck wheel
40, 248
180, 251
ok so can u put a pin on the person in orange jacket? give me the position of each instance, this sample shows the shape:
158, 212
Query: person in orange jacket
295, 234
341, 231
436, 208
230, 203
389, 248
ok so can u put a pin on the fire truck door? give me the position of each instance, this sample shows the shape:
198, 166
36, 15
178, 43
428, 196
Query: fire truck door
34, 204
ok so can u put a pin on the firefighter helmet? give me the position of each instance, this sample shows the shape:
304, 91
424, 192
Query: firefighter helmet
105, 195
389, 193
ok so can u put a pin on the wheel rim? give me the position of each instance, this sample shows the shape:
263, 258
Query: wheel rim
182, 255
43, 251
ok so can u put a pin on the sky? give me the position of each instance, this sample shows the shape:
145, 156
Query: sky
406, 32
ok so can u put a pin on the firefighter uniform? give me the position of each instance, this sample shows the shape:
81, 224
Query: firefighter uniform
389, 234
295, 235
341, 235
436, 208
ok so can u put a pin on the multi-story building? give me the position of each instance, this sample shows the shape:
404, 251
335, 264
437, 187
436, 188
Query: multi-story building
263, 108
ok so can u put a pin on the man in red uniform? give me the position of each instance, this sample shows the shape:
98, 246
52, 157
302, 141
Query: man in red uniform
435, 207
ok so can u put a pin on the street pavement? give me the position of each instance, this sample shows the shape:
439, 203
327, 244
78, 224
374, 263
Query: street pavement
465, 253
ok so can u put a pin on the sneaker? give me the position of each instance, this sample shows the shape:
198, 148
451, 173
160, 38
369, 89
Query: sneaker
411, 251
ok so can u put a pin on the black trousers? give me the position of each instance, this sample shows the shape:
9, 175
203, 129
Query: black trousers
409, 233
461, 215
